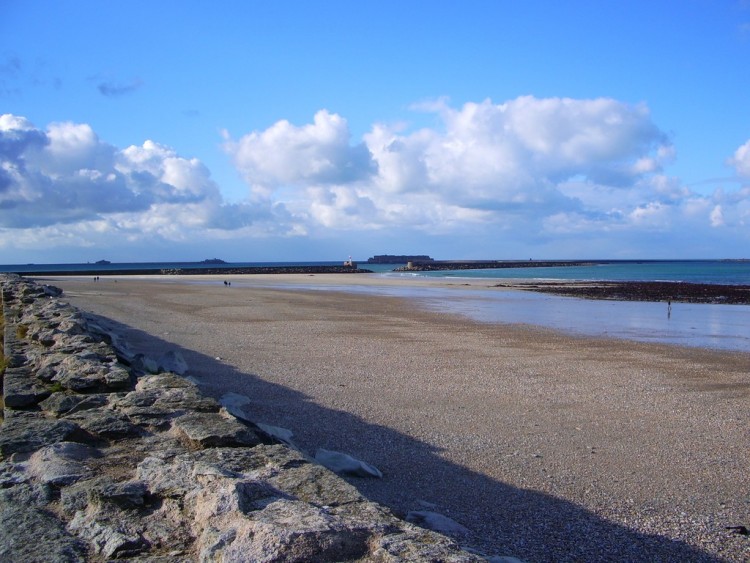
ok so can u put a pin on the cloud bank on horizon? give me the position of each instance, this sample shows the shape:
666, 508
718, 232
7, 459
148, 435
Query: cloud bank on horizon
569, 176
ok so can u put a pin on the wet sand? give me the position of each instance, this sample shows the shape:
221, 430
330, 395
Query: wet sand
548, 447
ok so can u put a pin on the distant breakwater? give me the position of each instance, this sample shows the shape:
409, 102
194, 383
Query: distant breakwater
492, 264
203, 271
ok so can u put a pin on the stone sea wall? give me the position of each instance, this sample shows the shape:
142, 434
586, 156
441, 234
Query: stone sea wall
102, 459
443, 265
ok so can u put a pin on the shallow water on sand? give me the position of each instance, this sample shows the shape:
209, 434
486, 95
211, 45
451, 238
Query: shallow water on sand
721, 327
724, 327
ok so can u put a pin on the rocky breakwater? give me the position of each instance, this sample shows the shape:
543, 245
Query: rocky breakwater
443, 265
679, 292
100, 459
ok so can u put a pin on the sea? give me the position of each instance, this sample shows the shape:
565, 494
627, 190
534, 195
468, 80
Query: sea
712, 326
733, 272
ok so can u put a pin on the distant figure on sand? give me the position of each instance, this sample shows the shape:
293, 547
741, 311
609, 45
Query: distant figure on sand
669, 308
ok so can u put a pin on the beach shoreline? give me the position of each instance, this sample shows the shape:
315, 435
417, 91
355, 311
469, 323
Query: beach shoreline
663, 291
547, 446
704, 317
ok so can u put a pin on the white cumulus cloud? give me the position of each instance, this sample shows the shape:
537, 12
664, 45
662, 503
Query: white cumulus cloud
741, 160
519, 151
66, 175
486, 162
547, 167
539, 172
319, 152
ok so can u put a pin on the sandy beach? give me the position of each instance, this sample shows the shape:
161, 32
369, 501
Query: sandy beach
546, 446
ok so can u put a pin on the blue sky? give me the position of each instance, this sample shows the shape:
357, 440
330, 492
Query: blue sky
149, 131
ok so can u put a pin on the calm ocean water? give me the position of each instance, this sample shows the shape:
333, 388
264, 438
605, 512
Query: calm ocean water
732, 272
695, 271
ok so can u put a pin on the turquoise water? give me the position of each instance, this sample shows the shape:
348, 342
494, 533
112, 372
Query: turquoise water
695, 271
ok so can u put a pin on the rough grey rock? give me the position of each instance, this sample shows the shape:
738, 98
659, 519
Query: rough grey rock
12, 474
235, 404
282, 434
105, 424
159, 398
63, 463
85, 375
62, 403
30, 532
345, 464
144, 364
119, 346
52, 291
315, 536
21, 434
174, 362
129, 494
110, 535
20, 390
436, 522
314, 484
213, 430
163, 381
156, 408
417, 544
167, 479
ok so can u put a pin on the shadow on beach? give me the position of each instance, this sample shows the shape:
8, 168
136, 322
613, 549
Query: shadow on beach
505, 520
